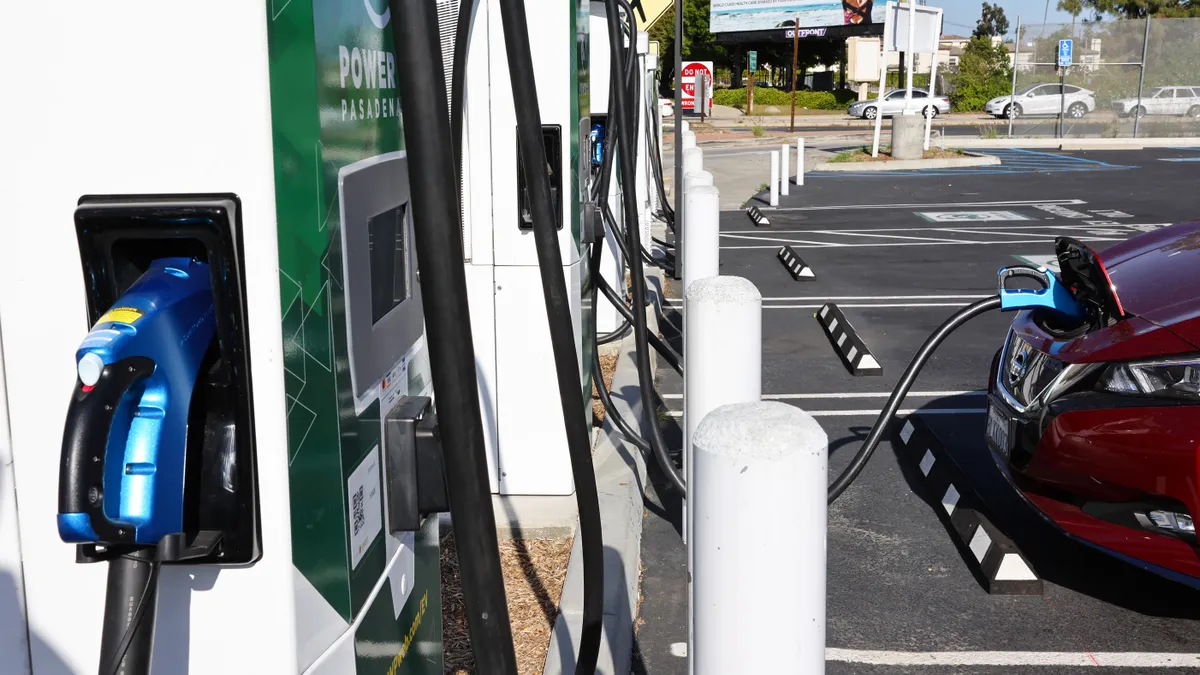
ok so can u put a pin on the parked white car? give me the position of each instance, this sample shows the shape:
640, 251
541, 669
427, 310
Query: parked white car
666, 108
1044, 99
1161, 101
893, 104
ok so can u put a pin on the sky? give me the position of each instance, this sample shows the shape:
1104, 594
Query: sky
959, 16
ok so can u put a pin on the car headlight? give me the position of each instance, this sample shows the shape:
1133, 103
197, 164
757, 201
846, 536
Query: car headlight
1176, 379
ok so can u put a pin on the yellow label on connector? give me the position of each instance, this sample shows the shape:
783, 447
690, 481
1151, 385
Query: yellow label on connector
121, 315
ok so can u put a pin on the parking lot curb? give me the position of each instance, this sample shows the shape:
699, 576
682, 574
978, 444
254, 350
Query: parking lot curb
1000, 565
757, 216
1070, 144
621, 478
911, 164
849, 346
799, 270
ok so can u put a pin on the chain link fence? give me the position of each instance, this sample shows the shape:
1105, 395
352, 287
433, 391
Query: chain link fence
1127, 79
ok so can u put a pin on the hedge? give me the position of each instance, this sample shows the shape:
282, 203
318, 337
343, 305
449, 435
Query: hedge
816, 100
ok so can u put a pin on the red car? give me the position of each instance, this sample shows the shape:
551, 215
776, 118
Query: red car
1098, 420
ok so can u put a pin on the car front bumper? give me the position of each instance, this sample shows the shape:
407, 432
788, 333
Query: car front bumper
1088, 461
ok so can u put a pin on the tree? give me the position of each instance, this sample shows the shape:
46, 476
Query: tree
992, 22
1134, 9
698, 42
983, 74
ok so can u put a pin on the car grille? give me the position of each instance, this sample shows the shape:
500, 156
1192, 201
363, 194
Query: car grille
1026, 372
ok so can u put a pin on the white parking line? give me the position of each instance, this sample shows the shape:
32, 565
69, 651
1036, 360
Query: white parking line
1078, 659
849, 233
867, 412
860, 394
876, 297
865, 305
966, 229
919, 243
778, 239
1019, 202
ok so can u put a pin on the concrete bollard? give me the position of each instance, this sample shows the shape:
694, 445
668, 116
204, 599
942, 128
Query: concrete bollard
785, 166
800, 161
693, 161
723, 338
774, 178
908, 136
759, 465
696, 179
703, 208
684, 126
723, 350
689, 140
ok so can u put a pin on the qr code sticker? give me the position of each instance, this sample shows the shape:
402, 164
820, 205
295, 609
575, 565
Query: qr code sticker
359, 513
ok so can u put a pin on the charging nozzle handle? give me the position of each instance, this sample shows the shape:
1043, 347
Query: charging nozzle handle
1052, 296
85, 440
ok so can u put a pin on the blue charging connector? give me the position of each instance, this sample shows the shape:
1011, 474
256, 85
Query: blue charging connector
1052, 296
597, 143
122, 475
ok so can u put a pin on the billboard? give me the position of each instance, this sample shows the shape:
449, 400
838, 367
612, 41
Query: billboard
732, 16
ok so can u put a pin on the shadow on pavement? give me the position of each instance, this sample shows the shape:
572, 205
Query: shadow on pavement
1056, 557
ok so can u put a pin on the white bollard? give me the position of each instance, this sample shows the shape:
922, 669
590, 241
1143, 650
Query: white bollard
785, 165
774, 177
684, 126
800, 161
702, 204
723, 325
693, 160
694, 179
759, 465
723, 360
689, 140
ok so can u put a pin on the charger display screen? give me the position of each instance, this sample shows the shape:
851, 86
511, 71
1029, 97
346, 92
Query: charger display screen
389, 261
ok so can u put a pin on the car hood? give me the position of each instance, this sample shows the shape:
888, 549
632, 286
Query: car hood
1155, 277
869, 100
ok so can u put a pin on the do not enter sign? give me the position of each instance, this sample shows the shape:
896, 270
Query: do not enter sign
692, 70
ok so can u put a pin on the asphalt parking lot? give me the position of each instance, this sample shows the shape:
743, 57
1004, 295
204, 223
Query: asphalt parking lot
899, 252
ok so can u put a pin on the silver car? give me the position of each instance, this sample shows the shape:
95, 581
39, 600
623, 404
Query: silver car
1044, 99
893, 104
1161, 101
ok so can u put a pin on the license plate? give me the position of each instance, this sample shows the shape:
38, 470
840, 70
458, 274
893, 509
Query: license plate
999, 428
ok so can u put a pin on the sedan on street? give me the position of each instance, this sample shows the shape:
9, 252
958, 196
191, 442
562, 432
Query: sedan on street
1161, 101
1044, 99
893, 104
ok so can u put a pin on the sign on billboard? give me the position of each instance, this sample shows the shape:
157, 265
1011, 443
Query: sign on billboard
692, 70
731, 16
927, 23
